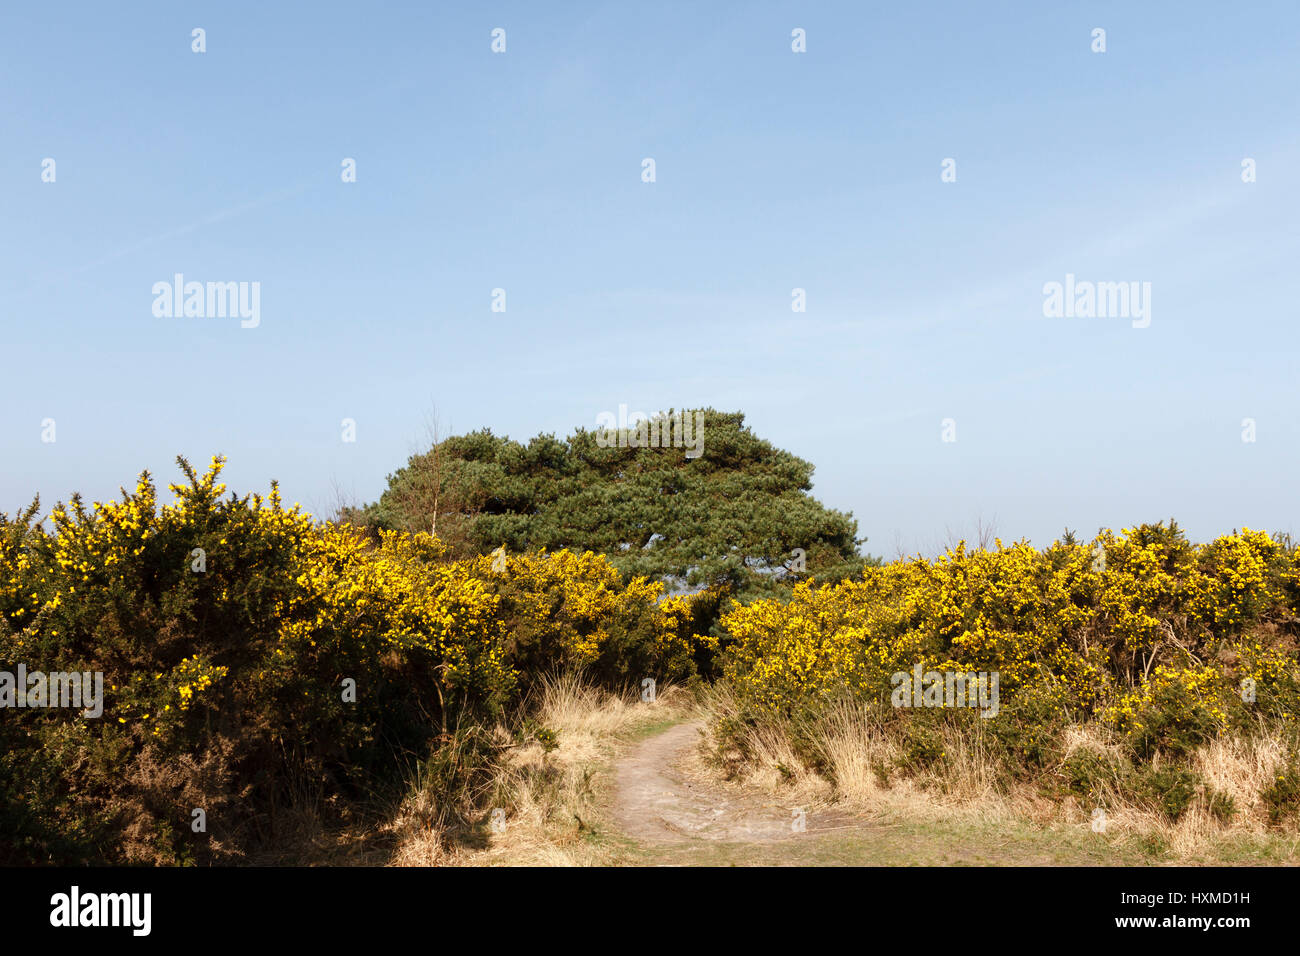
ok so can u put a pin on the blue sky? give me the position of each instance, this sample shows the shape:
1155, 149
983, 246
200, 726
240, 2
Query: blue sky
774, 170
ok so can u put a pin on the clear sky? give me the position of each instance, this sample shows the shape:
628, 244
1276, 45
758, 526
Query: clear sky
775, 170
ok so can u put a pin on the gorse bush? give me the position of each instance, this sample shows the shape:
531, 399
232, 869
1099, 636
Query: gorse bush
280, 673
230, 631
1282, 796
1138, 623
1163, 645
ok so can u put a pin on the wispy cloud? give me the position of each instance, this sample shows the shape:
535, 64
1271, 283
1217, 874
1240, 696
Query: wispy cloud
222, 215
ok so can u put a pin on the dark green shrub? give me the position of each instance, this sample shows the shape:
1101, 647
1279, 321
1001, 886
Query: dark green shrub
1090, 773
1282, 797
923, 746
1171, 789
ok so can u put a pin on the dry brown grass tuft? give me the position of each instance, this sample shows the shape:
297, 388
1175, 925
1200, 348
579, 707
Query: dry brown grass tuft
552, 799
860, 757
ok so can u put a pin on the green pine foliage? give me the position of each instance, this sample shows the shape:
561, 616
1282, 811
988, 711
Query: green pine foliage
733, 516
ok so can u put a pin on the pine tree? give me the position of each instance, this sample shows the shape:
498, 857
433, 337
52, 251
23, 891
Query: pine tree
739, 515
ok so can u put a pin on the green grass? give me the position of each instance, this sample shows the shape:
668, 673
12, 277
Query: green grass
950, 843
650, 729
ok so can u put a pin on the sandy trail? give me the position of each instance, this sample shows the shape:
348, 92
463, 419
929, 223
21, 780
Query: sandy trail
655, 803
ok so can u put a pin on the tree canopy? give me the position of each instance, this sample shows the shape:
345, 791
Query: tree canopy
732, 515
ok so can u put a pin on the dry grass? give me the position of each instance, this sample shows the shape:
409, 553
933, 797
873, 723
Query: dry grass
971, 787
552, 799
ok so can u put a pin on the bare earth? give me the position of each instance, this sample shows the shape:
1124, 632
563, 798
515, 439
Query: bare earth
654, 802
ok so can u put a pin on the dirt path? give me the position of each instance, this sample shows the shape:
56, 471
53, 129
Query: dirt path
655, 803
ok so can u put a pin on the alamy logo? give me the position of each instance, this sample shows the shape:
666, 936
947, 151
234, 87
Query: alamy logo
102, 909
208, 300
638, 430
947, 689
55, 689
1102, 300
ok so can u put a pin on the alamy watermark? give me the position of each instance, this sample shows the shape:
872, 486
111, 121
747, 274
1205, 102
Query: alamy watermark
678, 429
1101, 300
978, 689
83, 690
208, 300
75, 908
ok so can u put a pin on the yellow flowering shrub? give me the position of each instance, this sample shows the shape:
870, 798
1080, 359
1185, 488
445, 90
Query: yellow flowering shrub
789, 652
683, 641
1269, 674
249, 653
1118, 629
1006, 610
1174, 709
1245, 575
1149, 576
572, 610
